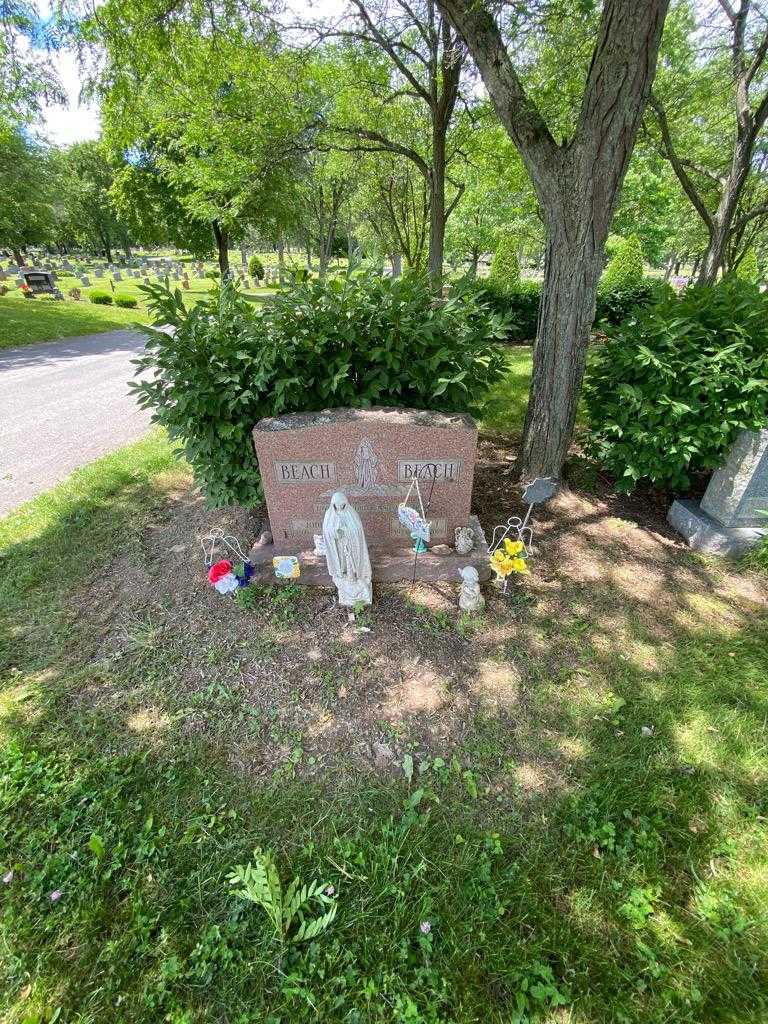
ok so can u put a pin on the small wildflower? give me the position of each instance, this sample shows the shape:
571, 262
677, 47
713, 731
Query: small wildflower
55, 896
7, 878
425, 927
330, 890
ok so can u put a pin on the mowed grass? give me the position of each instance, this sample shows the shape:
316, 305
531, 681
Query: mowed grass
504, 410
635, 891
27, 321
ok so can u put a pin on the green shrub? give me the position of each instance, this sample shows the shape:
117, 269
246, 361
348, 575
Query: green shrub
520, 305
505, 269
748, 269
101, 298
126, 301
297, 274
213, 275
615, 306
670, 389
256, 267
624, 271
365, 340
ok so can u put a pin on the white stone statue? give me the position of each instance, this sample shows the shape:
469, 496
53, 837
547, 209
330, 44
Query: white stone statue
470, 598
465, 539
346, 552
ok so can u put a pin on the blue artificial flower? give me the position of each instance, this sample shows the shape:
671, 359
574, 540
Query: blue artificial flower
244, 573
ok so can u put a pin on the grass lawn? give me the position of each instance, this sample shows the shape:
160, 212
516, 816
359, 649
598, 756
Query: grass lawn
557, 812
505, 408
26, 321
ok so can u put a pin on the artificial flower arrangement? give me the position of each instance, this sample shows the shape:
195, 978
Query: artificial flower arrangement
225, 577
510, 556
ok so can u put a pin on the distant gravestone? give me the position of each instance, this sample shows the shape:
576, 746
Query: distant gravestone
39, 281
98, 272
85, 281
727, 520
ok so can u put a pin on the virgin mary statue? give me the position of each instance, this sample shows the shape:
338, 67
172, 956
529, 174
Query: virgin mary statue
346, 552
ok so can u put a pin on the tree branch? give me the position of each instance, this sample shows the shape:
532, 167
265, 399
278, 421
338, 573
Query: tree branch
518, 113
742, 222
682, 175
390, 48
383, 145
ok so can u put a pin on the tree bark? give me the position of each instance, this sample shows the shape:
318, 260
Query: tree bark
281, 261
221, 236
19, 259
577, 184
437, 206
721, 223
566, 312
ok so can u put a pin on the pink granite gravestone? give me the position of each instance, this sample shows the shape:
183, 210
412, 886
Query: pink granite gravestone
372, 455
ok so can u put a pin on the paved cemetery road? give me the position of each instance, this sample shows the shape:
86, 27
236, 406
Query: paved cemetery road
62, 405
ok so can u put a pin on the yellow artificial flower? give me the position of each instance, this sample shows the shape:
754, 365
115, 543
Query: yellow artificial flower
501, 563
513, 547
520, 565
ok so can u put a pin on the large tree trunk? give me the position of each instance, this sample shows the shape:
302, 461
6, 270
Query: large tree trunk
577, 184
396, 259
221, 236
281, 261
571, 274
437, 208
18, 258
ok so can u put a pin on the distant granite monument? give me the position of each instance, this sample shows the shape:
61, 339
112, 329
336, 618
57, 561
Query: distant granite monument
728, 520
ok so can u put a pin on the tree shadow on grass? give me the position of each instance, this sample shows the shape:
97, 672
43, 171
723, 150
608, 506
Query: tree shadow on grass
585, 820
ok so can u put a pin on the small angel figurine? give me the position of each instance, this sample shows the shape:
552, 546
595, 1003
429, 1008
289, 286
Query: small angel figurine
470, 598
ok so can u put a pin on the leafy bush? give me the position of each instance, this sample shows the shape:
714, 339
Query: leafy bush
505, 269
615, 306
625, 267
519, 305
256, 267
126, 301
366, 340
748, 269
298, 274
101, 298
668, 392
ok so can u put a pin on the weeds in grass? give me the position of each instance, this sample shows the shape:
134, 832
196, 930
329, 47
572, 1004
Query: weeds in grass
259, 882
635, 893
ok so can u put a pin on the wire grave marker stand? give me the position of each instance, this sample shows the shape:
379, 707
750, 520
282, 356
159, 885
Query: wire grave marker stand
512, 542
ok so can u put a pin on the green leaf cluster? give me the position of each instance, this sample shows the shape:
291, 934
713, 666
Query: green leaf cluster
256, 267
668, 391
358, 341
505, 269
625, 267
259, 882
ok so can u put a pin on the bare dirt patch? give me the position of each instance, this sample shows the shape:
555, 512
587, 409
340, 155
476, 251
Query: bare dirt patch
289, 685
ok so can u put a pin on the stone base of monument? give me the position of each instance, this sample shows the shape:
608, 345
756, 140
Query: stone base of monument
389, 564
704, 533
